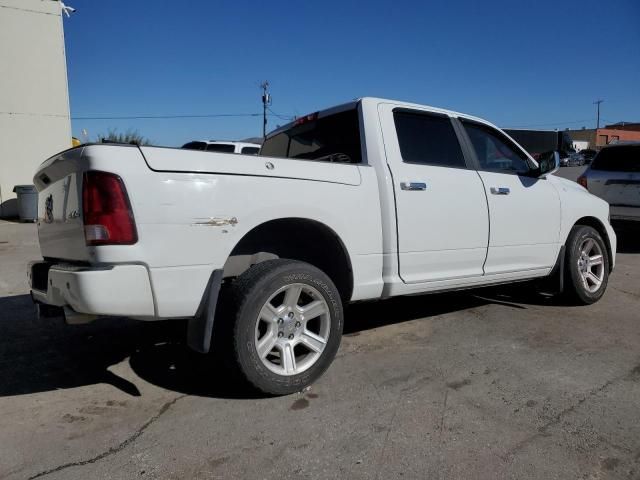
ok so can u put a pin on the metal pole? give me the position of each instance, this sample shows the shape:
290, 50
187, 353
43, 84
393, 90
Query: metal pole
266, 100
598, 102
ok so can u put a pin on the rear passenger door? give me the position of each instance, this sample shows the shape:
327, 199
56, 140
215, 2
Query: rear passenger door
441, 207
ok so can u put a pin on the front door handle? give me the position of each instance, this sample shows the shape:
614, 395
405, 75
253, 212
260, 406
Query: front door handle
413, 185
500, 191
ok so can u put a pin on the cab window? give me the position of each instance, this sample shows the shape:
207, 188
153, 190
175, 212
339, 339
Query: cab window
427, 139
494, 151
334, 138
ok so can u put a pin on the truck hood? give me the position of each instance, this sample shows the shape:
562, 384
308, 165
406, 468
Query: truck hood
565, 184
193, 161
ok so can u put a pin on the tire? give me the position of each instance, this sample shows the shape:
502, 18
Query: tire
264, 313
583, 242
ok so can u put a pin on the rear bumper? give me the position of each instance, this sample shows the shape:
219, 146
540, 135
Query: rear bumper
624, 213
121, 290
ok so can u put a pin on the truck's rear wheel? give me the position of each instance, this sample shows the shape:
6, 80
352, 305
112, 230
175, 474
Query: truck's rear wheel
287, 325
587, 265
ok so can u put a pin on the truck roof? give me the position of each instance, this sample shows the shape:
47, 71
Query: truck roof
378, 101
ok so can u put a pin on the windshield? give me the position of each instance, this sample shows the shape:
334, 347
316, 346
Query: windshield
250, 150
221, 147
618, 159
334, 138
195, 145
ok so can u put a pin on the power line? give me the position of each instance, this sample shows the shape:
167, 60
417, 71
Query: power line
145, 117
550, 124
282, 117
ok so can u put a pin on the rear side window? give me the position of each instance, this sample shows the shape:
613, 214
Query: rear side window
618, 159
495, 152
428, 139
221, 147
195, 146
250, 150
334, 138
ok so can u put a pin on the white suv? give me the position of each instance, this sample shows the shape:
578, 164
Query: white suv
614, 176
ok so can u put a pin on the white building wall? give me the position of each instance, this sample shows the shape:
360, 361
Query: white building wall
580, 145
34, 100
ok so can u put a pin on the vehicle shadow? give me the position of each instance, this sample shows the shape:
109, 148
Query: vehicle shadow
38, 355
628, 234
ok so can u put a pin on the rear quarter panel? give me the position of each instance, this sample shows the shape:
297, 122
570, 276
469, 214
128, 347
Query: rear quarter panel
170, 208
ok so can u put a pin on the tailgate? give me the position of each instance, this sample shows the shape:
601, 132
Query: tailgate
60, 227
622, 192
617, 188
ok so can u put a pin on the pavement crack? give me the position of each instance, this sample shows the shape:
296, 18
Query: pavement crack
557, 418
396, 407
627, 292
113, 450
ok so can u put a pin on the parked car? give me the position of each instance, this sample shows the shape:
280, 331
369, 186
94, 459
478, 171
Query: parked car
575, 160
588, 154
367, 200
614, 175
223, 147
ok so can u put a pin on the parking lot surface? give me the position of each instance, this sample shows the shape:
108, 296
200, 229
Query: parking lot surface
486, 384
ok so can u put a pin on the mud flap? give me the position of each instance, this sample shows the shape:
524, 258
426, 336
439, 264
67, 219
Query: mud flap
554, 282
200, 329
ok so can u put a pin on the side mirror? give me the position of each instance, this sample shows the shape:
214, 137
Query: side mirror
548, 163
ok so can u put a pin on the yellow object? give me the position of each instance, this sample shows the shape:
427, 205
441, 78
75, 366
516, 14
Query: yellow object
75, 142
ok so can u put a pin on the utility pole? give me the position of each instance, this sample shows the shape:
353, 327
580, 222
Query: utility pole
266, 101
598, 102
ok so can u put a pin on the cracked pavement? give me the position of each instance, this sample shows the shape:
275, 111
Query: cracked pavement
493, 383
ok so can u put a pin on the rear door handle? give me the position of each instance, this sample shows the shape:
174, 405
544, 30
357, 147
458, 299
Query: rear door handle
500, 191
413, 185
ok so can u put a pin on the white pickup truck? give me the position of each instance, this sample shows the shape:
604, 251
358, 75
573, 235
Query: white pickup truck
367, 200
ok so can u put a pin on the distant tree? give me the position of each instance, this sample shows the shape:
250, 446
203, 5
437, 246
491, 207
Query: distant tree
131, 137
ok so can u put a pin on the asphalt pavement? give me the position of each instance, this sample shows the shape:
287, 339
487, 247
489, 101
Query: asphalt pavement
487, 384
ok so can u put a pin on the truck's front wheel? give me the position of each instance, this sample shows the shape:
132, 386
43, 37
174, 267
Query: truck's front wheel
587, 265
287, 325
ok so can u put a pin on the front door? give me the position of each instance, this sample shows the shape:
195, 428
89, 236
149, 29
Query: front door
441, 207
524, 211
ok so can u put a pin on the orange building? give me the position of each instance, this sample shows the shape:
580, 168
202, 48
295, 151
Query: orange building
618, 132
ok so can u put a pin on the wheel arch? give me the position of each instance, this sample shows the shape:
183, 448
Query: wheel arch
597, 225
295, 238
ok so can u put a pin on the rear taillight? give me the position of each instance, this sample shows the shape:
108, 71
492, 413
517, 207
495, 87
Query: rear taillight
107, 215
582, 180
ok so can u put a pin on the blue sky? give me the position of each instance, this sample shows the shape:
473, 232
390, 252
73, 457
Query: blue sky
515, 63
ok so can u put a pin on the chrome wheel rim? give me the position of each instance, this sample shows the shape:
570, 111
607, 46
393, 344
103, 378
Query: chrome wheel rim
292, 329
591, 265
